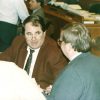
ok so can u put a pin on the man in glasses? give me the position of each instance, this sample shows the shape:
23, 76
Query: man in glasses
46, 61
80, 78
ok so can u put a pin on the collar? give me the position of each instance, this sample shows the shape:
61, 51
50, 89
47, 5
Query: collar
75, 56
28, 49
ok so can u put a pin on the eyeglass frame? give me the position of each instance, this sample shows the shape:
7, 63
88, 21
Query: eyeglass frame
59, 42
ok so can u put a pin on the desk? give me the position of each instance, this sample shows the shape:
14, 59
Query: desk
86, 3
94, 29
59, 18
61, 14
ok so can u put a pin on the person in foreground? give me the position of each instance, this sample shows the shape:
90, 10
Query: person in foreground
15, 84
80, 79
47, 58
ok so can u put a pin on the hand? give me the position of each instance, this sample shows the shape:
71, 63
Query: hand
47, 90
37, 85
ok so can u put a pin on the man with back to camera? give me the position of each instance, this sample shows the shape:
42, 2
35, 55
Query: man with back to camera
80, 78
47, 60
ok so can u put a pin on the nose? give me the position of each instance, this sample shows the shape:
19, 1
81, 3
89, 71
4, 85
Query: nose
33, 37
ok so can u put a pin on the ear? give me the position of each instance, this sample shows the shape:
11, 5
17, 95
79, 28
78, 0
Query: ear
69, 47
44, 33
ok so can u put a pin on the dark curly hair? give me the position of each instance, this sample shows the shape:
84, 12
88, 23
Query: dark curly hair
36, 21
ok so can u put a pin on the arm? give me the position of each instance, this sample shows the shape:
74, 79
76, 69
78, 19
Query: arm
10, 53
21, 9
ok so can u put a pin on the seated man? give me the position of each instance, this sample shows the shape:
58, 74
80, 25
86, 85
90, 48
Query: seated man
48, 59
80, 79
15, 84
36, 7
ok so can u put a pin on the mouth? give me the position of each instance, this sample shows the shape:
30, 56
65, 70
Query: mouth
34, 42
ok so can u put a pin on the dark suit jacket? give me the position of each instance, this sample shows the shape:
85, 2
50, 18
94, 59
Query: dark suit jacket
39, 12
79, 81
49, 62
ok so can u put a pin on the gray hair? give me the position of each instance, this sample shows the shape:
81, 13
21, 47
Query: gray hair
78, 35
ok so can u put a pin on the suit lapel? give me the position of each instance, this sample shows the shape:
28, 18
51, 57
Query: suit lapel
22, 55
39, 61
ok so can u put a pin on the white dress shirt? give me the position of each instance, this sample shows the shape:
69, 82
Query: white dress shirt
75, 56
34, 57
11, 10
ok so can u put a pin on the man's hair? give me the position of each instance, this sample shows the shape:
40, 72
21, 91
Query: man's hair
78, 35
36, 21
41, 2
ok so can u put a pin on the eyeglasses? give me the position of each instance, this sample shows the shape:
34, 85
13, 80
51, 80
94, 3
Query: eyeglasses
59, 42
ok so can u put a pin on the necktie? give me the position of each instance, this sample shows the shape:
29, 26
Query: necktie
29, 60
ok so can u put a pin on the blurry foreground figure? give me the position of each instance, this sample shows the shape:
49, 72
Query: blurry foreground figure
15, 84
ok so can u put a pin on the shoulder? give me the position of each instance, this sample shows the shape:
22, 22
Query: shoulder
41, 10
50, 41
19, 39
40, 13
51, 44
51, 49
